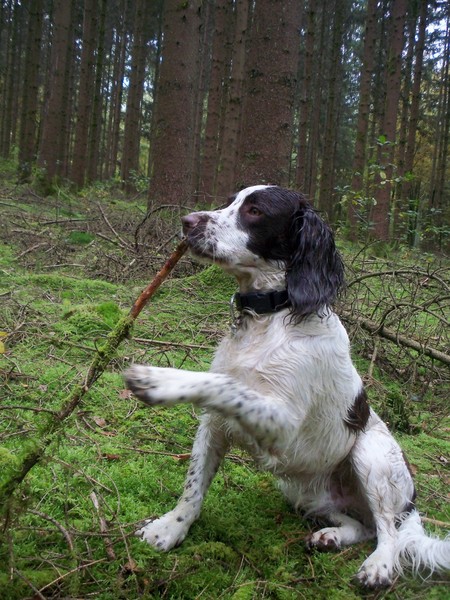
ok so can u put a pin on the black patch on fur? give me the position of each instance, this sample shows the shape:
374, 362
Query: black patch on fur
358, 414
411, 504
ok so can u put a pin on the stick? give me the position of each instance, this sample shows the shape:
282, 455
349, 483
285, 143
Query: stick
103, 527
35, 449
158, 279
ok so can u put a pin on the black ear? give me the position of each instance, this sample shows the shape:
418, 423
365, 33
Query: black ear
314, 272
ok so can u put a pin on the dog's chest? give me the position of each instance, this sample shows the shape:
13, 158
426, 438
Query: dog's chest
247, 354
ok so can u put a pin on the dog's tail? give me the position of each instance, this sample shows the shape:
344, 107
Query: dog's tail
419, 551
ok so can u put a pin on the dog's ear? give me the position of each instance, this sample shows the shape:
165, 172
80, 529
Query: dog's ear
314, 271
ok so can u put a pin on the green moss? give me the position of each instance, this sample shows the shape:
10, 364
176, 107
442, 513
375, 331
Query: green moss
80, 237
6, 256
18, 589
89, 320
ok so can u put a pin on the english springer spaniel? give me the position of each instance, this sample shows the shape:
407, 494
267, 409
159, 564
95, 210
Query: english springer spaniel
283, 387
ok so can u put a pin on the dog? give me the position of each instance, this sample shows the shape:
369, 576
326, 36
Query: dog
282, 386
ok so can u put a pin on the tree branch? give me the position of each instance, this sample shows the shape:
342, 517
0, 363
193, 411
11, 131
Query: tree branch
398, 338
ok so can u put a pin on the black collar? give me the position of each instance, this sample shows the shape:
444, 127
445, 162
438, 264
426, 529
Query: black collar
262, 302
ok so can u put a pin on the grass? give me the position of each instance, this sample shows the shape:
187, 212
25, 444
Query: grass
70, 528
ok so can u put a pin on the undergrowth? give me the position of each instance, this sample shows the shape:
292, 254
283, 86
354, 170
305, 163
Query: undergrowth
66, 277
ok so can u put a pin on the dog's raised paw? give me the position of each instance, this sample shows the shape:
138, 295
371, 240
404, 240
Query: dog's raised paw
147, 383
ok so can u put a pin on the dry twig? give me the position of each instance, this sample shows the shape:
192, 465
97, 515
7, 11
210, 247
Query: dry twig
103, 527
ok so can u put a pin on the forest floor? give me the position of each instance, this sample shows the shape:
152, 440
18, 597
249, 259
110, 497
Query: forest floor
70, 266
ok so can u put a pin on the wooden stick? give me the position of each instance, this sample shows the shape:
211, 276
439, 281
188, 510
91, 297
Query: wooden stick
35, 449
158, 279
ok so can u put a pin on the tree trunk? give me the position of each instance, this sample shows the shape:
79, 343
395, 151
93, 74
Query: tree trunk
85, 93
306, 106
406, 187
96, 121
10, 78
28, 130
210, 159
132, 133
437, 207
326, 194
115, 111
382, 208
271, 75
226, 175
172, 160
355, 203
54, 126
317, 102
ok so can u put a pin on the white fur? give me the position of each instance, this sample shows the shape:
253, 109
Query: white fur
282, 391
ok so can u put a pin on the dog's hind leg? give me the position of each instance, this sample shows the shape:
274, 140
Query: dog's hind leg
208, 451
388, 488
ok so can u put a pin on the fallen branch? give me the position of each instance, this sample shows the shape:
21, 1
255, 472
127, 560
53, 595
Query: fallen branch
122, 242
398, 338
103, 527
444, 524
64, 575
35, 449
58, 525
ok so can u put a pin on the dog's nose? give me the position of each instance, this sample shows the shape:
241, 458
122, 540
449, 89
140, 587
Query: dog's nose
191, 221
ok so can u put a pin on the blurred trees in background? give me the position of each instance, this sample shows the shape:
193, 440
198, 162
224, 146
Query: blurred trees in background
348, 101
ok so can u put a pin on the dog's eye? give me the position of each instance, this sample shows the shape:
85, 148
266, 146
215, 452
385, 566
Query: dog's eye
255, 212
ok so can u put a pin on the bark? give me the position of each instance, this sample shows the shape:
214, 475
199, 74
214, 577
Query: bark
203, 75
28, 129
415, 94
54, 125
271, 75
115, 110
326, 195
10, 79
226, 176
407, 187
96, 122
85, 93
436, 206
155, 83
132, 134
210, 158
172, 156
382, 208
306, 106
362, 126
313, 157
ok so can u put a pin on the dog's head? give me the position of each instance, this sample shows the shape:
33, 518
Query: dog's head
268, 229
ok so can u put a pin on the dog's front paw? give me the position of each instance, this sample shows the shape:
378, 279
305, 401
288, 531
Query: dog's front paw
375, 572
164, 533
154, 385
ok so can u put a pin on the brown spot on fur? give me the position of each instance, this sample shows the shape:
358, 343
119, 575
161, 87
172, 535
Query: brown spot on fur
358, 414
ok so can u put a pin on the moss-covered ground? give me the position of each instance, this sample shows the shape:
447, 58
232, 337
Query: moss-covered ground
70, 266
